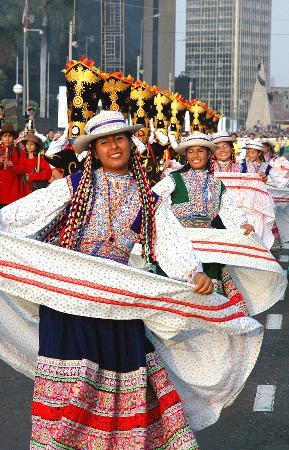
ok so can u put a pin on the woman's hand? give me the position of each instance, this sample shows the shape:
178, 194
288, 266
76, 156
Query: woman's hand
203, 284
263, 177
167, 164
248, 229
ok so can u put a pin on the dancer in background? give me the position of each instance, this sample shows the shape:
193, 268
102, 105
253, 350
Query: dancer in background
198, 199
38, 171
255, 163
223, 158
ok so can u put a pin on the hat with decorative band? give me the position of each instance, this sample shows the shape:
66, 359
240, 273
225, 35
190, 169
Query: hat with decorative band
104, 124
255, 145
196, 139
268, 142
221, 136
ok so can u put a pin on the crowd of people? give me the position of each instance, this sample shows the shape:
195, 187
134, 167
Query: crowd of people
148, 335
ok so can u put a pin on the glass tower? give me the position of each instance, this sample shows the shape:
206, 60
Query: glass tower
225, 42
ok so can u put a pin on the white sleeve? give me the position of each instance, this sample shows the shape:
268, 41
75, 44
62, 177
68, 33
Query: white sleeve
231, 216
173, 250
32, 213
57, 146
278, 179
165, 187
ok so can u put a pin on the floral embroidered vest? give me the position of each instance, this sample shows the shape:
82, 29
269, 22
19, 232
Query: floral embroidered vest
197, 198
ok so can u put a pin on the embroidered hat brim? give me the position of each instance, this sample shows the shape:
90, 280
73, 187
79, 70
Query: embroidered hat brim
82, 142
259, 147
223, 139
181, 149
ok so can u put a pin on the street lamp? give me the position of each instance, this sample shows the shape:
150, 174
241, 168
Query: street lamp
72, 30
18, 90
171, 78
88, 39
139, 58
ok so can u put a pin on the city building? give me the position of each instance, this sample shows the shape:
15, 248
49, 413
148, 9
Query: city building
226, 40
158, 37
112, 36
136, 37
280, 105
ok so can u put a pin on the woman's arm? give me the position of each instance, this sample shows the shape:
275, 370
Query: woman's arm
173, 250
232, 216
165, 187
30, 214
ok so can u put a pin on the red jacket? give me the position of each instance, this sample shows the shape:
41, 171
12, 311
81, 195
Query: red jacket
45, 172
11, 181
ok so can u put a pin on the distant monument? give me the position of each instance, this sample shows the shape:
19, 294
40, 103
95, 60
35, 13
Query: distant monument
260, 108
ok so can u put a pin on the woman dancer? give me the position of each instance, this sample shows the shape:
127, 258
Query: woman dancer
200, 200
255, 163
99, 383
223, 158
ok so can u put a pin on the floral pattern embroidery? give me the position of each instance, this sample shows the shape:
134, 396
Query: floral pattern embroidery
124, 202
136, 410
204, 201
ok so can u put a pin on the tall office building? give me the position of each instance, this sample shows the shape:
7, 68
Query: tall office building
158, 42
112, 35
225, 42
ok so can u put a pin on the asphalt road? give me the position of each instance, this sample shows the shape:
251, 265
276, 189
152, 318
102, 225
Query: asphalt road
239, 427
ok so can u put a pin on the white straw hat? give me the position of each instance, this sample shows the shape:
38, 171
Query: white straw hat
221, 136
104, 124
267, 141
255, 145
200, 139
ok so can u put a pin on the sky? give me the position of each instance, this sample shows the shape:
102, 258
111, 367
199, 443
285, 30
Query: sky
279, 42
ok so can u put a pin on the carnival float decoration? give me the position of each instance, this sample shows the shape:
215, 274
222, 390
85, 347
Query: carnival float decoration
161, 113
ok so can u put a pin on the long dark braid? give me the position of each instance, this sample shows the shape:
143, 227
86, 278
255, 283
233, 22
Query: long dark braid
79, 207
147, 234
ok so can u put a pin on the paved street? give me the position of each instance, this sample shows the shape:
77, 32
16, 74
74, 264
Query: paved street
254, 422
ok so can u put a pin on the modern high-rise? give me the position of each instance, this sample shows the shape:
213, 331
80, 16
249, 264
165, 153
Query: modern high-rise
158, 42
139, 32
226, 40
112, 35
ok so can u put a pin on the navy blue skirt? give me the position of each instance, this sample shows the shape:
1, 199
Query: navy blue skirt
118, 345
100, 384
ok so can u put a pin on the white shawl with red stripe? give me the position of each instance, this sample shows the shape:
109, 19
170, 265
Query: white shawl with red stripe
208, 344
281, 202
251, 195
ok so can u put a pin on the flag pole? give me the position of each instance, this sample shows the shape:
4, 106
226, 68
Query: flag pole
25, 24
24, 71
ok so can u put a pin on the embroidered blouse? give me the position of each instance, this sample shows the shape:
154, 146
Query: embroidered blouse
206, 198
108, 234
276, 177
226, 166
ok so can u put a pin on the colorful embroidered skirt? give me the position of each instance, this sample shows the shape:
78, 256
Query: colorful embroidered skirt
224, 284
99, 385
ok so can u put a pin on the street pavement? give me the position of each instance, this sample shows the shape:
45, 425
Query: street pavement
258, 419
